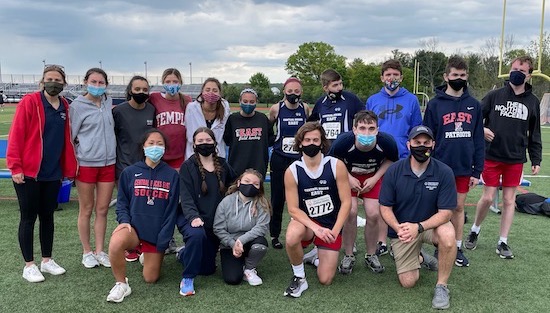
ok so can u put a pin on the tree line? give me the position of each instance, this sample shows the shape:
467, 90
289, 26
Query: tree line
312, 58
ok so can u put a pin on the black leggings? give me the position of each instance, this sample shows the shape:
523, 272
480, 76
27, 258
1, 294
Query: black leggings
36, 199
279, 164
232, 267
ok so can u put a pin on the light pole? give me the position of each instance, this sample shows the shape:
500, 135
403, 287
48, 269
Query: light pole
44, 61
190, 74
145, 63
100, 64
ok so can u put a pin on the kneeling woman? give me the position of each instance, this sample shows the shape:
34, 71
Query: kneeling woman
204, 177
148, 195
241, 223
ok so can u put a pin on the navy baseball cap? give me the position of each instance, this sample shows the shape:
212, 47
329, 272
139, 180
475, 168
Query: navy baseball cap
421, 129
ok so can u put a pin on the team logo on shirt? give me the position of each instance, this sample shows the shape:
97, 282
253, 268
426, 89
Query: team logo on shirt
149, 122
431, 185
458, 119
391, 111
249, 133
513, 109
63, 115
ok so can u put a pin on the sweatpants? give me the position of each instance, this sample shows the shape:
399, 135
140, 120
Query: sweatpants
233, 268
199, 255
279, 164
36, 199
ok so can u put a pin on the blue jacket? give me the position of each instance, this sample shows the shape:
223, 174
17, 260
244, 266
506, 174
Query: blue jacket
148, 200
457, 124
397, 115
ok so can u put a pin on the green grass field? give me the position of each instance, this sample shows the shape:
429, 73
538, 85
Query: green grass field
488, 285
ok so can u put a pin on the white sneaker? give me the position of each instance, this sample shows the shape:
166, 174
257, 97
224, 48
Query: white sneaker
103, 259
51, 267
32, 274
141, 258
311, 256
89, 260
119, 291
251, 276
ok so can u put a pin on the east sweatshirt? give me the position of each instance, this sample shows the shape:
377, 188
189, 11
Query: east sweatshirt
397, 115
148, 200
93, 131
234, 220
457, 125
248, 138
515, 120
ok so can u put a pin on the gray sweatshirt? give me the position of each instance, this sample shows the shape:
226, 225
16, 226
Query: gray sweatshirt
93, 132
234, 220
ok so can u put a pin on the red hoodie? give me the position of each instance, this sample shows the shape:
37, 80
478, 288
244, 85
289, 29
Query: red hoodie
24, 153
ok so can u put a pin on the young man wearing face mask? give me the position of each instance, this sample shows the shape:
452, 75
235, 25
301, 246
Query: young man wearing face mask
397, 109
248, 135
417, 198
287, 116
367, 154
457, 123
319, 201
336, 109
512, 125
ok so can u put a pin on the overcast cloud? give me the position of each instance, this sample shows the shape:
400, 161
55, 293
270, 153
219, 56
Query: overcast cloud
232, 40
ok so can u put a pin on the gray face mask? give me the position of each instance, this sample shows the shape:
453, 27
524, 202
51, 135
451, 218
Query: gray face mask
53, 88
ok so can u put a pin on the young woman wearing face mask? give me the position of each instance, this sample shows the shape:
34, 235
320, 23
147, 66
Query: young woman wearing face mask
241, 222
133, 118
204, 177
209, 110
92, 131
39, 154
288, 115
248, 135
170, 116
146, 211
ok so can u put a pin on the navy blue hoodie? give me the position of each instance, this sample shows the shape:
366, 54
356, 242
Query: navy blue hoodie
148, 200
457, 124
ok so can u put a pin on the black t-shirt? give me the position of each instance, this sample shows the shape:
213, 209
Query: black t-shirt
53, 141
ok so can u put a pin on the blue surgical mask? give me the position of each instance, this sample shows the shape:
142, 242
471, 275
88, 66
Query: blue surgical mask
392, 84
366, 140
517, 78
154, 153
96, 91
248, 108
172, 89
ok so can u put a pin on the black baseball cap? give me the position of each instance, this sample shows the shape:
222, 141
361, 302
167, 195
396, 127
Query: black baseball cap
421, 129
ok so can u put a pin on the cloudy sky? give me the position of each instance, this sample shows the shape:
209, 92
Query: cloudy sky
233, 39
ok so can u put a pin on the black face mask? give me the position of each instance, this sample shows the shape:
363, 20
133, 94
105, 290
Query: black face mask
53, 88
249, 190
517, 78
205, 149
334, 96
421, 153
311, 150
293, 98
140, 97
457, 84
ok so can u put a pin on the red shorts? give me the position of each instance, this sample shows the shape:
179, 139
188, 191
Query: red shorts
510, 173
336, 245
371, 194
175, 163
147, 247
92, 175
462, 184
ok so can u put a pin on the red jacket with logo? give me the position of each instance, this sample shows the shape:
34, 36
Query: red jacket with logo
25, 140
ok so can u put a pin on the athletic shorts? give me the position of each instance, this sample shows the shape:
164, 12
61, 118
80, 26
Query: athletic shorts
147, 247
371, 194
92, 175
462, 184
406, 255
494, 172
336, 245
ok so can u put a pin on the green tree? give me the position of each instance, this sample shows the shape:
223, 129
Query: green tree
259, 80
311, 59
432, 66
231, 92
405, 58
364, 80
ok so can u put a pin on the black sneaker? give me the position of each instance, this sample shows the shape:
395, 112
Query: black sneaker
276, 244
381, 248
471, 241
461, 260
504, 251
296, 287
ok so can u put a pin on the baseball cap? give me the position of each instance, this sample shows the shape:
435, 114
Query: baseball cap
421, 129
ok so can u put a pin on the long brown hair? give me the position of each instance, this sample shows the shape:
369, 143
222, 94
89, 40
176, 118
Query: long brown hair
218, 168
260, 198
220, 111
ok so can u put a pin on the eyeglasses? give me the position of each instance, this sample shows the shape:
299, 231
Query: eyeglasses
54, 67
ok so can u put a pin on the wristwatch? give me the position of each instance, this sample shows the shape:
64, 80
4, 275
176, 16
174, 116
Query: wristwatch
420, 228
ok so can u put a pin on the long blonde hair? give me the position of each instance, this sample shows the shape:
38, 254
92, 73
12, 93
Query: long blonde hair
259, 198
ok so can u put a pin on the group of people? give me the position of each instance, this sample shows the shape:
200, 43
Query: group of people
167, 155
